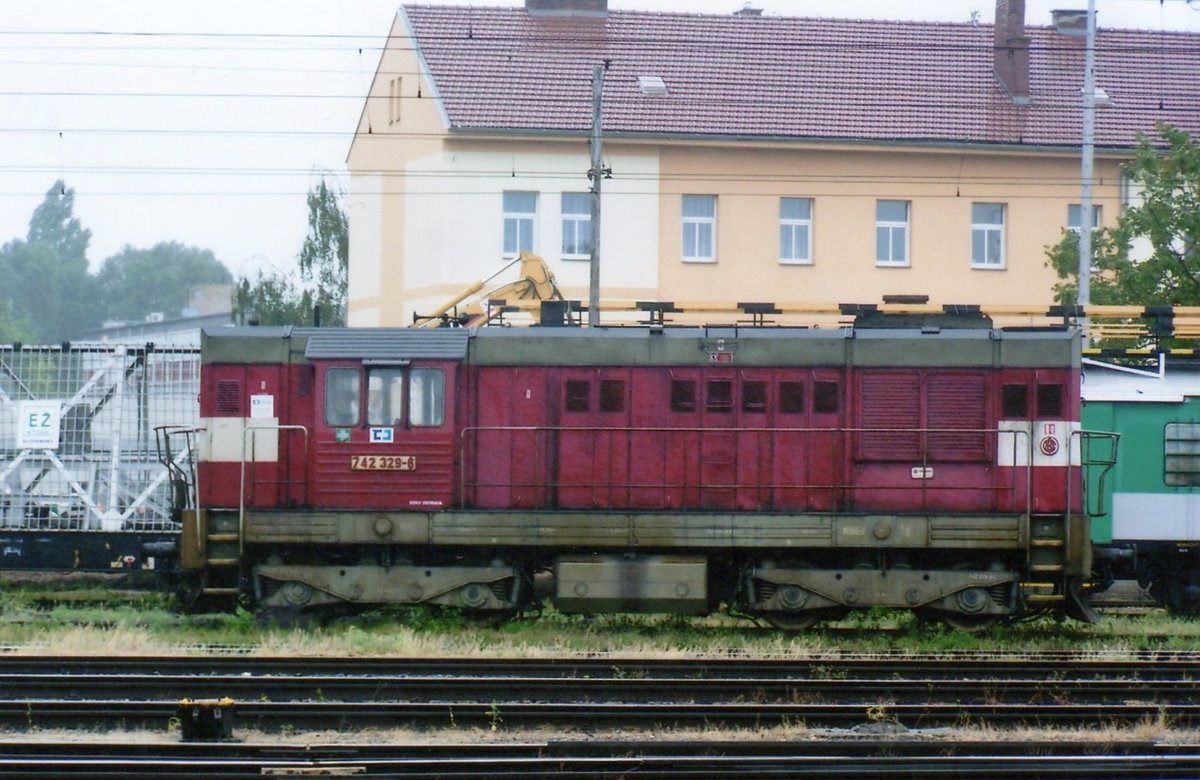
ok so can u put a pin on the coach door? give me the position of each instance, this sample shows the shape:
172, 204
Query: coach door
384, 435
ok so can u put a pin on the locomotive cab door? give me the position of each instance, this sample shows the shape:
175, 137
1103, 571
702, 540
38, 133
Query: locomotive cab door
383, 435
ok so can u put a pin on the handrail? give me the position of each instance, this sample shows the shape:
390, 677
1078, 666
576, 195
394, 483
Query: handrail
242, 484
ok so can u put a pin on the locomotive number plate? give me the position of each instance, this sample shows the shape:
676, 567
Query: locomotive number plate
383, 463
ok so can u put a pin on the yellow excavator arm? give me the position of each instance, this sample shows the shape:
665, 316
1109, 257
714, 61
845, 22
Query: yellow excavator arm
472, 308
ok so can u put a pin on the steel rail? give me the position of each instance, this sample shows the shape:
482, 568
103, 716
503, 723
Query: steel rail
345, 688
1083, 764
1145, 666
57, 713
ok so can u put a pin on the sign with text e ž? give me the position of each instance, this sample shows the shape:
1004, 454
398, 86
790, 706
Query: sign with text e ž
37, 424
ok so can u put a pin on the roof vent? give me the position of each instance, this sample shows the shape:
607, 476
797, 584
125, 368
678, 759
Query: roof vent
748, 10
597, 8
1070, 22
652, 85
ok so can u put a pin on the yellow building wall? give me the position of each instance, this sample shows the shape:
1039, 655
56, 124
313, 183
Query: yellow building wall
844, 184
403, 145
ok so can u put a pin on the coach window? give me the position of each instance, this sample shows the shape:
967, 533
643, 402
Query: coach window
385, 396
1181, 454
341, 396
426, 397
578, 395
1049, 401
754, 396
825, 397
1015, 401
683, 395
719, 395
791, 397
612, 395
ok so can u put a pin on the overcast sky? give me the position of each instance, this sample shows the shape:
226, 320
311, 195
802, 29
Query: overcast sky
207, 122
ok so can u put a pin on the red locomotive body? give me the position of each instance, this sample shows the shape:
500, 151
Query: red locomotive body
790, 473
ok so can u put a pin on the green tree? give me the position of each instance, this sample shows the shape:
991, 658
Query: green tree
14, 329
54, 223
274, 299
324, 258
46, 276
135, 282
1168, 216
271, 299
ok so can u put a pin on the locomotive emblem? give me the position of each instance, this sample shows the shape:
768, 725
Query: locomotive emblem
1049, 446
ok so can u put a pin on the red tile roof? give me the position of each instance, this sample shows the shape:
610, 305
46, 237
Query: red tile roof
499, 69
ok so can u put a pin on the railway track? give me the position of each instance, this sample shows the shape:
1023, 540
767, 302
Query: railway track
905, 691
885, 759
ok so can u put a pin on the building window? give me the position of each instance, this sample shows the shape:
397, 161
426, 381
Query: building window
520, 211
795, 231
1074, 211
394, 101
699, 228
1181, 454
576, 225
891, 232
987, 235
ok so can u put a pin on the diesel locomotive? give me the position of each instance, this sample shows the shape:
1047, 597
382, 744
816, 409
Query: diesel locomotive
790, 474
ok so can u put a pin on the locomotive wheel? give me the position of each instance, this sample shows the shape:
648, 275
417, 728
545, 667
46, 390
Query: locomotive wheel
970, 624
792, 621
801, 621
188, 592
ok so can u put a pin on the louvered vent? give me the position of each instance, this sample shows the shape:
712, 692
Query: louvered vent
957, 402
229, 396
891, 415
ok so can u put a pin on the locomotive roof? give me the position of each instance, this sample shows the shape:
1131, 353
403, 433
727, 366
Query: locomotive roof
668, 346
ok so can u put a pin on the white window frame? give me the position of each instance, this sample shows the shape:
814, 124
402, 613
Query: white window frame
394, 94
793, 251
987, 230
524, 223
1077, 208
893, 228
572, 223
697, 229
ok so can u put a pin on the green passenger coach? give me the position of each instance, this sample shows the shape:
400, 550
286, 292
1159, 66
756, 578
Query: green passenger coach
1150, 526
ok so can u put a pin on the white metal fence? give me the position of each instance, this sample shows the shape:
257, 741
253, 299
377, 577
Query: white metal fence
78, 449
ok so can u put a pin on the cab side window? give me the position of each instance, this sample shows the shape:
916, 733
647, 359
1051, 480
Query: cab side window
426, 397
385, 396
342, 391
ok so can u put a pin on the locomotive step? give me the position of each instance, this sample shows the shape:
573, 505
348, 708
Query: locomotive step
220, 592
1035, 542
222, 537
1046, 567
211, 562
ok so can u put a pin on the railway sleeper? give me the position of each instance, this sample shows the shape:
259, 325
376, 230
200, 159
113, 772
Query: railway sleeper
474, 588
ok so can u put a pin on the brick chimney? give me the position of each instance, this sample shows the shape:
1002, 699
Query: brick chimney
1011, 50
597, 8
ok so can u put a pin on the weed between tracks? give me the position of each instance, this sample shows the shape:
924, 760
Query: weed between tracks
98, 620
1152, 731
